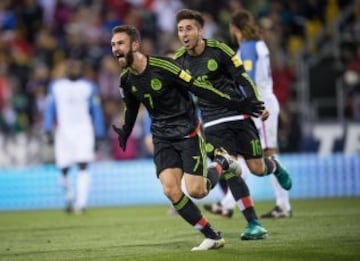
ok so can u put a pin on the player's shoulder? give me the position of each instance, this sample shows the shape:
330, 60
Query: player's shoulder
86, 81
123, 77
164, 63
59, 80
124, 73
58, 83
262, 48
179, 53
220, 46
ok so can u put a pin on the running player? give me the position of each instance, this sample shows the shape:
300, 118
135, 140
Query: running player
179, 148
217, 64
256, 58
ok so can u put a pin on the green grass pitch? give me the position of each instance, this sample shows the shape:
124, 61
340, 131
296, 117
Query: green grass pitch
321, 229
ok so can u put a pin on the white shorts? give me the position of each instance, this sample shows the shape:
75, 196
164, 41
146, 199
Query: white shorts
74, 146
268, 130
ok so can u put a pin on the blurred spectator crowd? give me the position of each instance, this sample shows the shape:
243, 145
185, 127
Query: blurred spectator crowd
36, 36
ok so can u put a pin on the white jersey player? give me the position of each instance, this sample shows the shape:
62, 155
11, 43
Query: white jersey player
73, 111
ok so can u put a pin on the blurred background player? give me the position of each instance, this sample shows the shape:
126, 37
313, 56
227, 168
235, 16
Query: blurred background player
256, 59
73, 116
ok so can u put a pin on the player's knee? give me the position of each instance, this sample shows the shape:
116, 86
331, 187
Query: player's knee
172, 193
197, 191
257, 167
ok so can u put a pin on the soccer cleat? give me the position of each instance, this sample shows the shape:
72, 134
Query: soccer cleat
254, 231
209, 243
214, 208
277, 212
229, 163
282, 176
218, 209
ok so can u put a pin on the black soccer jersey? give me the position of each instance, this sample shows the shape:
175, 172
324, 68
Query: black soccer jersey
164, 90
220, 67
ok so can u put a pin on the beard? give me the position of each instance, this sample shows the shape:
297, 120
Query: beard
129, 56
126, 60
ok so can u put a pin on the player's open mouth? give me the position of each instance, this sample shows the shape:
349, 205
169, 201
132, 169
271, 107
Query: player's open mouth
186, 42
119, 56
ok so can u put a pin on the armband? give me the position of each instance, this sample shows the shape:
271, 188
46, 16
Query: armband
185, 76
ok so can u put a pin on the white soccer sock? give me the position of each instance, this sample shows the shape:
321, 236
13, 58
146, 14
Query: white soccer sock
82, 185
66, 186
281, 195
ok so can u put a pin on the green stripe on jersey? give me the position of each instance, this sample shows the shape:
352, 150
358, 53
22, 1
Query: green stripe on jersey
121, 75
208, 86
164, 64
225, 48
123, 72
247, 77
179, 53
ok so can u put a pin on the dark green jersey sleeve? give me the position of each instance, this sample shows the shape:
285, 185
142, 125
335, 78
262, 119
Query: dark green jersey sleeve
132, 106
237, 71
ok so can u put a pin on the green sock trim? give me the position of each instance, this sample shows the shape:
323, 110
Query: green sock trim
181, 203
228, 175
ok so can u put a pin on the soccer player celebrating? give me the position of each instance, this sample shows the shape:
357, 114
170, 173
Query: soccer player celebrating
216, 63
73, 110
256, 57
179, 147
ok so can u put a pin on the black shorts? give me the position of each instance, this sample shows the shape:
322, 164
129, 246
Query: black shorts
188, 154
237, 137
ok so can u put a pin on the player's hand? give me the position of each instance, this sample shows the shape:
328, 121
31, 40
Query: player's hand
122, 136
252, 107
265, 115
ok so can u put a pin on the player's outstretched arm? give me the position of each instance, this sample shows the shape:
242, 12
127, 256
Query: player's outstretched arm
131, 111
246, 105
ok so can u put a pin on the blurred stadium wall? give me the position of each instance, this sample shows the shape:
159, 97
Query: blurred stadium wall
135, 183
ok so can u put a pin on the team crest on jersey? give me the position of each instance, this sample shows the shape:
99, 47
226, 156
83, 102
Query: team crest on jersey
212, 65
133, 88
156, 84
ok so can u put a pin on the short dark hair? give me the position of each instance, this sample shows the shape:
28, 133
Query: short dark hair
130, 30
190, 14
246, 23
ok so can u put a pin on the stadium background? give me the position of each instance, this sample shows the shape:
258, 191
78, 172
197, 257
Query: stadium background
315, 62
